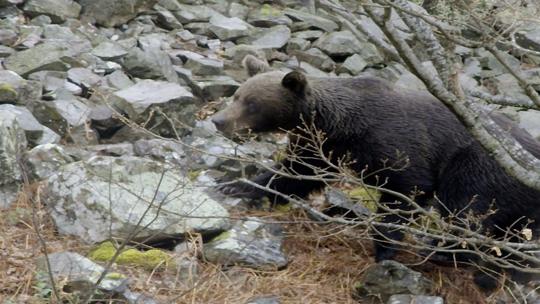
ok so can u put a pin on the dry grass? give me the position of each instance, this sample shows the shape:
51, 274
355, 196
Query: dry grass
325, 263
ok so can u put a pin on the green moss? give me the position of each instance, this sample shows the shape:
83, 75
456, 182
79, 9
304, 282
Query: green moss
148, 259
7, 92
284, 207
193, 174
280, 155
268, 10
369, 197
115, 276
222, 236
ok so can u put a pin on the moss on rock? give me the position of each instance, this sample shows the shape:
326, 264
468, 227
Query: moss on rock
149, 259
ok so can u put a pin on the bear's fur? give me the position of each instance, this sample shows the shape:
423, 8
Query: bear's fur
372, 120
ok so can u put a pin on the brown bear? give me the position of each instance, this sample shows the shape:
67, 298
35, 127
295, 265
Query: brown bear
370, 120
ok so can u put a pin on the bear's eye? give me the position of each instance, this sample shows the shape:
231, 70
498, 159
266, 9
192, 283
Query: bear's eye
251, 107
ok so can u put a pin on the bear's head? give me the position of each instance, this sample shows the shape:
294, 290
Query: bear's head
268, 101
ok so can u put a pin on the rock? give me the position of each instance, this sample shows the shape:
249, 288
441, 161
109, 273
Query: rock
311, 70
75, 275
199, 28
339, 44
118, 80
268, 16
297, 44
12, 145
238, 10
5, 51
412, 299
249, 243
212, 88
228, 28
193, 13
109, 197
142, 99
353, 65
113, 13
389, 277
529, 39
51, 55
36, 134
264, 300
204, 66
311, 35
44, 160
8, 37
149, 64
237, 53
120, 149
530, 121
108, 50
316, 58
58, 32
84, 77
275, 37
167, 151
340, 203
312, 21
41, 20
14, 89
166, 19
57, 10
492, 67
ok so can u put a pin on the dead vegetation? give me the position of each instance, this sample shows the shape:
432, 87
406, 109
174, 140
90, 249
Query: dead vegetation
326, 261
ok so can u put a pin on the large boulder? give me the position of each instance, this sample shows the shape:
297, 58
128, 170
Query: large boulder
108, 197
57, 10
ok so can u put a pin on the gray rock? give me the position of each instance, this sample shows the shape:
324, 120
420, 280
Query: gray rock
529, 39
199, 28
36, 133
118, 80
336, 198
311, 35
275, 37
146, 99
317, 58
149, 64
77, 273
342, 43
228, 28
120, 149
109, 197
12, 145
84, 77
214, 87
50, 55
389, 277
193, 13
239, 52
264, 300
162, 150
29, 36
297, 44
312, 21
58, 32
472, 67
267, 16
166, 19
5, 51
4, 3
113, 13
530, 121
57, 10
51, 80
413, 299
8, 37
108, 50
238, 10
249, 243
204, 66
492, 67
311, 70
353, 65
41, 20
45, 160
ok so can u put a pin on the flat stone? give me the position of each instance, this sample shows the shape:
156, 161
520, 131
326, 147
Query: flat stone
112, 13
353, 65
414, 299
109, 50
84, 77
215, 87
249, 243
12, 144
119, 80
55, 31
238, 10
45, 56
149, 64
310, 35
57, 10
311, 20
193, 13
168, 151
529, 39
8, 37
317, 58
44, 160
268, 16
166, 19
297, 44
342, 43
204, 66
36, 133
274, 37
110, 196
228, 28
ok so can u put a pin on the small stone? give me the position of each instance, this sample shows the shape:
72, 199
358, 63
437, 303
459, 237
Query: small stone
163, 150
264, 300
311, 35
228, 28
120, 149
193, 13
311, 20
57, 10
8, 37
316, 58
118, 80
166, 19
353, 65
44, 160
204, 66
297, 44
41, 20
84, 77
414, 299
112, 13
214, 87
342, 43
238, 10
268, 16
275, 37
185, 35
149, 64
109, 50
5, 51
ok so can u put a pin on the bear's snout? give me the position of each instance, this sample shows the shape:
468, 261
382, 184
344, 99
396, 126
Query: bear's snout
219, 121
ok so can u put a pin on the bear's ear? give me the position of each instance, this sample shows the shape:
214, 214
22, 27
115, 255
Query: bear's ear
254, 65
295, 81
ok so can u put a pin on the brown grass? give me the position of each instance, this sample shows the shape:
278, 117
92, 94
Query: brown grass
325, 263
